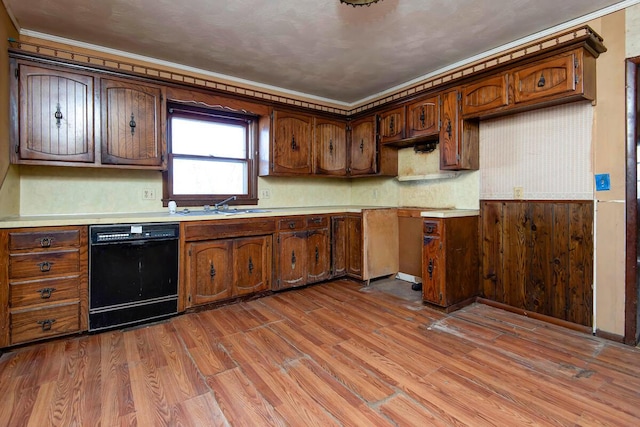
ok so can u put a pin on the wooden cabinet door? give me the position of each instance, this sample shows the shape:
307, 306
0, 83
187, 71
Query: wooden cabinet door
330, 146
363, 156
56, 115
423, 117
487, 94
292, 136
292, 259
354, 246
338, 246
392, 125
251, 265
318, 255
433, 270
459, 139
554, 76
132, 124
209, 271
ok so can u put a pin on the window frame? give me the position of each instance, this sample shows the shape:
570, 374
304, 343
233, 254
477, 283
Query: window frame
216, 116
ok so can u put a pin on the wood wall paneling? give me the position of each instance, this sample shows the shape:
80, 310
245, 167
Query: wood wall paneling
538, 256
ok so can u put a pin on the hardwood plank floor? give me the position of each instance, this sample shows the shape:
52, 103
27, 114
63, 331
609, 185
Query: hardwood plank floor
330, 354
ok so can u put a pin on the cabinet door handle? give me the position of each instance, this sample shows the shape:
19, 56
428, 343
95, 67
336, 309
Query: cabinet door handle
449, 128
45, 293
46, 324
293, 142
45, 242
293, 260
58, 115
542, 81
250, 266
317, 255
212, 270
132, 124
331, 146
45, 266
422, 118
362, 146
430, 268
392, 125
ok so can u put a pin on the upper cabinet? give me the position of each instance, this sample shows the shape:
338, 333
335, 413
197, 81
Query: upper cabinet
392, 125
132, 123
486, 94
459, 139
69, 117
362, 158
423, 117
570, 74
55, 114
330, 147
292, 135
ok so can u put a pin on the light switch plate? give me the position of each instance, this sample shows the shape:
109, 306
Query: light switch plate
603, 182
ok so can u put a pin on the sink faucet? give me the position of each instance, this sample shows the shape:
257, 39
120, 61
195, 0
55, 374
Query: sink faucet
216, 206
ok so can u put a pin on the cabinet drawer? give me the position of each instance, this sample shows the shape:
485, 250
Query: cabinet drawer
431, 228
318, 222
292, 224
44, 239
43, 291
41, 323
39, 265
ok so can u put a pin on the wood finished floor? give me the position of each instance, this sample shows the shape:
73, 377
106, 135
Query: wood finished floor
331, 354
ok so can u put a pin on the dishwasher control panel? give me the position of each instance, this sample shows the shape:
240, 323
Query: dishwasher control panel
133, 232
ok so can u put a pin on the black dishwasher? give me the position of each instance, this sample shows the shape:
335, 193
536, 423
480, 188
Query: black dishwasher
133, 273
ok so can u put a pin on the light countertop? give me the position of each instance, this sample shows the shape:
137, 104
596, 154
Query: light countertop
165, 216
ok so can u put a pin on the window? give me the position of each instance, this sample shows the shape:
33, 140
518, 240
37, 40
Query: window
211, 156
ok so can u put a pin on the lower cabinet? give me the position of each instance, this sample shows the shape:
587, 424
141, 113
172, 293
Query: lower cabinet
346, 246
303, 251
227, 268
450, 264
44, 277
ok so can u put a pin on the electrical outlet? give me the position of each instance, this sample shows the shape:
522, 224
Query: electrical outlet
518, 193
148, 194
374, 193
265, 193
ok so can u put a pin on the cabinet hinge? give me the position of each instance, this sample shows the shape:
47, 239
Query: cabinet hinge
459, 96
458, 158
17, 74
161, 98
162, 157
17, 149
189, 252
272, 165
189, 298
278, 239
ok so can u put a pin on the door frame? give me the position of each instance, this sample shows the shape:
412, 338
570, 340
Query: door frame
631, 270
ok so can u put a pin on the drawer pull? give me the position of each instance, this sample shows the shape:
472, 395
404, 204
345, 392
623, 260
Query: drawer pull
292, 225
45, 293
45, 266
46, 324
45, 242
430, 228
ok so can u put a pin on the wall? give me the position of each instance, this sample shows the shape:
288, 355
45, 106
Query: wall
9, 178
609, 140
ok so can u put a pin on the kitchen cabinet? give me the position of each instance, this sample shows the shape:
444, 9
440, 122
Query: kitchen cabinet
565, 75
225, 259
423, 117
346, 245
362, 147
450, 261
490, 93
392, 125
330, 147
53, 115
459, 138
227, 268
44, 276
292, 136
303, 251
133, 118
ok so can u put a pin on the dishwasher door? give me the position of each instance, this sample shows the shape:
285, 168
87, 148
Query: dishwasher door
133, 278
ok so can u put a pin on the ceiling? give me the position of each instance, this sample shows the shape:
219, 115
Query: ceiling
317, 47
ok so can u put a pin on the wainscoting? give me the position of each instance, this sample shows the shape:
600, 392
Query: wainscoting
538, 256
